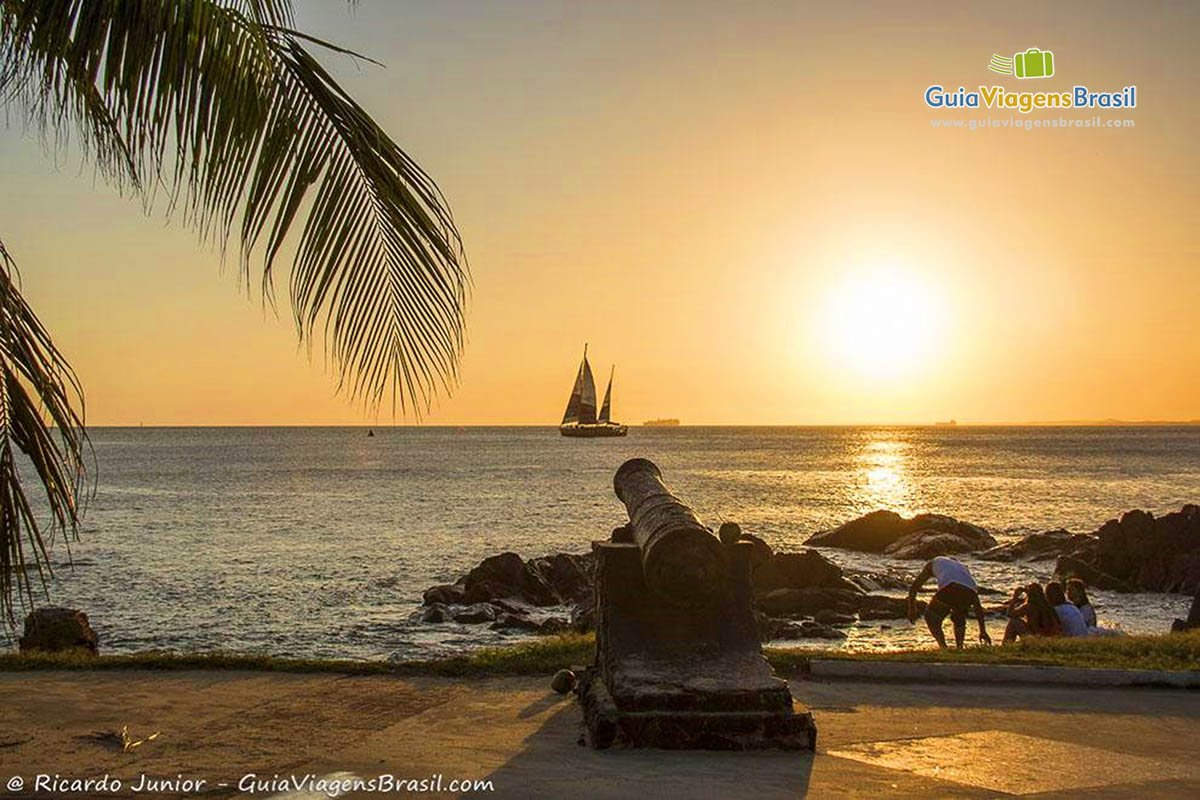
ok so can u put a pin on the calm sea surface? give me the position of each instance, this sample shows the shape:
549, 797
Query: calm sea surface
319, 541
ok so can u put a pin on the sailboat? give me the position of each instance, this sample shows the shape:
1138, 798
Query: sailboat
580, 418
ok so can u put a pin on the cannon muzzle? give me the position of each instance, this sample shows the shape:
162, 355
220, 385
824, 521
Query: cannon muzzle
683, 563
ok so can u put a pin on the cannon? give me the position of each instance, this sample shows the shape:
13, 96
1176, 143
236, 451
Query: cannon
678, 660
681, 559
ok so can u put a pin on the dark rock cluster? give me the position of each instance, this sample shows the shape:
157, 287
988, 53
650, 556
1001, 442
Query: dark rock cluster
1193, 618
1136, 553
797, 595
805, 595
1042, 546
548, 581
1140, 552
55, 629
922, 537
510, 593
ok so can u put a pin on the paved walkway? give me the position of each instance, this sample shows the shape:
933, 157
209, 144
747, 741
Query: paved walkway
875, 739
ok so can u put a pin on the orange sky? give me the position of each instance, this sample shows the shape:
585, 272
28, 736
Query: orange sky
707, 197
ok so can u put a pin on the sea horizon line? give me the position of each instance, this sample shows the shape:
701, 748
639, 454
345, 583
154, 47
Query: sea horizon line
553, 426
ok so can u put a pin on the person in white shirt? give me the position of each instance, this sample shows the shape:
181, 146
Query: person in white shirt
956, 596
1068, 613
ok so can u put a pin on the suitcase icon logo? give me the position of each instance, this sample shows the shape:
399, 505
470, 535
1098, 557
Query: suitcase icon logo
1033, 63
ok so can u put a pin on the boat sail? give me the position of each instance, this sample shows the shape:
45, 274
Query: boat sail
580, 417
606, 407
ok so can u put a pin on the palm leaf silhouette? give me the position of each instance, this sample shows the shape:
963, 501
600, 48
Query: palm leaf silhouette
220, 111
36, 383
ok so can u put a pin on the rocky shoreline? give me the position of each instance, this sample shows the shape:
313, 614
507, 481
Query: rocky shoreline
922, 537
805, 595
797, 595
1137, 552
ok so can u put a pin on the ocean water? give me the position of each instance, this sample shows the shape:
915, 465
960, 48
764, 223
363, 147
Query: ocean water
319, 541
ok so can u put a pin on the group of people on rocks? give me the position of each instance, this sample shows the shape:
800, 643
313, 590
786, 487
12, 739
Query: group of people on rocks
1034, 610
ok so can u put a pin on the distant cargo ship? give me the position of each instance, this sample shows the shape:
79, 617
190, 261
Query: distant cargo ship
948, 424
660, 423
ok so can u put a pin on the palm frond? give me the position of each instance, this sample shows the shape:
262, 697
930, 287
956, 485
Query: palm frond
222, 107
36, 385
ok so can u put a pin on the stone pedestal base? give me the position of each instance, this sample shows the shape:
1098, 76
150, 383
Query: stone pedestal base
607, 726
683, 678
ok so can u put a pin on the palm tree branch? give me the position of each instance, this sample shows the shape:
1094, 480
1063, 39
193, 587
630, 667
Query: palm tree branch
37, 385
221, 107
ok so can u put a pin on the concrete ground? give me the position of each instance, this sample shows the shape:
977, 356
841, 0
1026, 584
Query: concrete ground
875, 740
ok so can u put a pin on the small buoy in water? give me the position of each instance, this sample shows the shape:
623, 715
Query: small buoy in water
563, 681
729, 532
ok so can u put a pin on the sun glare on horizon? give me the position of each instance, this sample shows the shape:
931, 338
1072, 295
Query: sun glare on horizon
881, 323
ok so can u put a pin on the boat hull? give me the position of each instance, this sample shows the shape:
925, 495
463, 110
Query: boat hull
593, 431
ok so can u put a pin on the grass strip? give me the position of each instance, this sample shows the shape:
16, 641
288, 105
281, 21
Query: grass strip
543, 656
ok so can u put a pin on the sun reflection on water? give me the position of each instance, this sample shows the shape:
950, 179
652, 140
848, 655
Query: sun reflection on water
884, 466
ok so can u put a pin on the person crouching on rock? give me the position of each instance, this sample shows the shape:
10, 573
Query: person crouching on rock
956, 596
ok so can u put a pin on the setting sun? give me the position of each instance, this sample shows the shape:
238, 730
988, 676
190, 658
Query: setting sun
881, 323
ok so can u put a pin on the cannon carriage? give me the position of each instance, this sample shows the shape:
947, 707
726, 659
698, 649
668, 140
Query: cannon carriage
678, 663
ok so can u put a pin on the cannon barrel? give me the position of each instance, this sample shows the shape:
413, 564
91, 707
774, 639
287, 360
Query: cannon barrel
683, 563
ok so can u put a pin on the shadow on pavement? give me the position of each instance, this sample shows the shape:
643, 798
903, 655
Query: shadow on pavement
845, 695
553, 764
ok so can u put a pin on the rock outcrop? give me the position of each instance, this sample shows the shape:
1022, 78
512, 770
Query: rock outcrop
511, 594
559, 579
922, 537
804, 594
878, 606
1072, 567
761, 552
1193, 619
55, 629
807, 601
772, 629
871, 582
1037, 546
525, 624
1140, 552
924, 545
569, 577
803, 570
